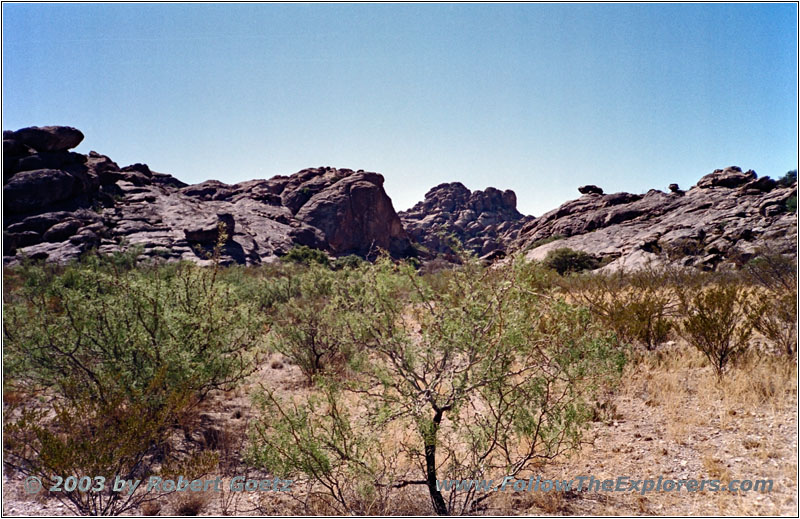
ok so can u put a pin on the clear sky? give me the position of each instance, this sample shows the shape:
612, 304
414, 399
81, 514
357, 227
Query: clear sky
538, 98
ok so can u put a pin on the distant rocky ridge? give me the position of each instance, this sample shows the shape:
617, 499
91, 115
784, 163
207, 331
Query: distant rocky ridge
59, 204
481, 220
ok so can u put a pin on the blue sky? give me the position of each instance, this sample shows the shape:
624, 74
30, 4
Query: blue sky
538, 98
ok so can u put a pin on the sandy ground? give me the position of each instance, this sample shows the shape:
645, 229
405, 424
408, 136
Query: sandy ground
669, 417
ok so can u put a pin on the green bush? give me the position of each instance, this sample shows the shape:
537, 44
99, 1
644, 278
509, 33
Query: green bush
791, 204
303, 324
306, 255
122, 354
114, 329
565, 260
350, 261
788, 179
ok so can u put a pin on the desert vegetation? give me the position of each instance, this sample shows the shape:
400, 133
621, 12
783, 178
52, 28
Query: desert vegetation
365, 383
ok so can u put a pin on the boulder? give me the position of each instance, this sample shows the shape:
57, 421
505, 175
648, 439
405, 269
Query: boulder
356, 217
590, 190
48, 138
729, 177
62, 231
33, 190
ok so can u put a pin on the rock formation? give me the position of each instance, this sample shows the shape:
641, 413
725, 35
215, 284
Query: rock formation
727, 216
59, 204
478, 219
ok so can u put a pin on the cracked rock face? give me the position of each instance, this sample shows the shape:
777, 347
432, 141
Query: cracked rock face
481, 220
59, 204
727, 216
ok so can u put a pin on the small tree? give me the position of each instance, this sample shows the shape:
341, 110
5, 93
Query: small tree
478, 378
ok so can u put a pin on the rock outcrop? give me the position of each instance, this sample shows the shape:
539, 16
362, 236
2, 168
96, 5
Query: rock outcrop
726, 217
479, 219
59, 204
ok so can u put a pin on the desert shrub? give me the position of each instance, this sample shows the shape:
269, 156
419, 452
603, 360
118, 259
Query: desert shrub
636, 305
306, 255
350, 261
301, 325
122, 354
775, 317
479, 376
191, 503
771, 270
774, 308
83, 436
788, 179
716, 322
118, 329
791, 204
565, 260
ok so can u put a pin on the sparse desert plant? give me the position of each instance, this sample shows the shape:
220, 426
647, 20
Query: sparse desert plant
637, 305
715, 321
774, 307
773, 271
479, 377
565, 260
191, 503
151, 508
775, 317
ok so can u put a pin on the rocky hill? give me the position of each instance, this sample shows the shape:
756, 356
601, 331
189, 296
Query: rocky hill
727, 216
481, 220
58, 204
